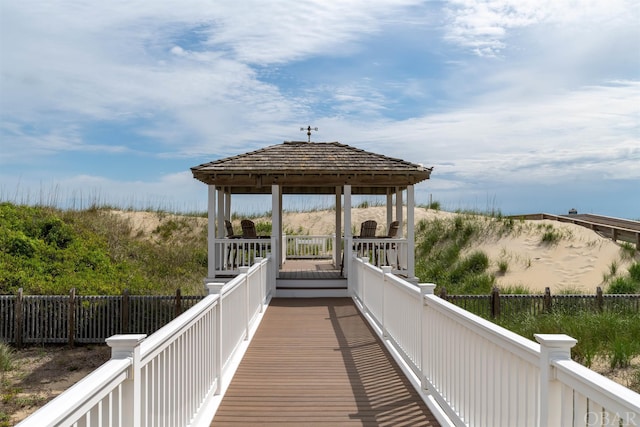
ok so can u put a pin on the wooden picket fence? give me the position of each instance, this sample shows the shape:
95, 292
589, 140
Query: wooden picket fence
497, 305
70, 319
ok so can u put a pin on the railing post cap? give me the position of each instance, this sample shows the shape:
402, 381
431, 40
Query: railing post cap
214, 288
386, 269
124, 345
555, 340
427, 288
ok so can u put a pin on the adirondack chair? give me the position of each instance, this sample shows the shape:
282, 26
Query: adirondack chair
233, 248
391, 233
367, 230
249, 232
248, 229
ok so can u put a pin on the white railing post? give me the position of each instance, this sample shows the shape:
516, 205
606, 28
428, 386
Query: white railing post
123, 347
245, 271
552, 347
362, 286
263, 292
425, 289
385, 270
216, 289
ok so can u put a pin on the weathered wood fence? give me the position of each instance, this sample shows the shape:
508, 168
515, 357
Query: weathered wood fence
70, 319
497, 305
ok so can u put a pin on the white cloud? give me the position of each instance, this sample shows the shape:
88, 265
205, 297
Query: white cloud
593, 131
552, 91
486, 25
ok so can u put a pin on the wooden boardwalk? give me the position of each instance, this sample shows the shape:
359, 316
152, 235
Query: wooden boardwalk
316, 362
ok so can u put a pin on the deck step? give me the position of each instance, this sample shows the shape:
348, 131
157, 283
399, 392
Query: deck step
311, 284
311, 293
310, 288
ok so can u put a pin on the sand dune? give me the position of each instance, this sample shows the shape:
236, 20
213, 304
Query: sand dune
581, 260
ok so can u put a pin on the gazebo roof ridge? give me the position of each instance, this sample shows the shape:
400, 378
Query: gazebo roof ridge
336, 151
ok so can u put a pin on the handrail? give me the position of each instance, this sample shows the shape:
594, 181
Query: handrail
471, 372
615, 232
623, 405
172, 376
101, 385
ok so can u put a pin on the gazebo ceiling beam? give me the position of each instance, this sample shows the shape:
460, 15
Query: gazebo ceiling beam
311, 190
386, 180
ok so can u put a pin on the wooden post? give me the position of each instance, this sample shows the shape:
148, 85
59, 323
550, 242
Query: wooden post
19, 318
547, 300
553, 347
495, 302
71, 317
443, 293
128, 347
124, 312
599, 299
178, 311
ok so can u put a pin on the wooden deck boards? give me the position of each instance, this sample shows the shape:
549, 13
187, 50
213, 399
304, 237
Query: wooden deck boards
309, 269
315, 362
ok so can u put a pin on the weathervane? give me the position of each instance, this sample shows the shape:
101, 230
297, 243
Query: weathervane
309, 129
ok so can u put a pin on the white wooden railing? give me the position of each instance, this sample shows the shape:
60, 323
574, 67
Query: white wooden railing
309, 246
472, 372
172, 377
383, 251
231, 254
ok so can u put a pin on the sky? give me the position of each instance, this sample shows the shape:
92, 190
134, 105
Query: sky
520, 106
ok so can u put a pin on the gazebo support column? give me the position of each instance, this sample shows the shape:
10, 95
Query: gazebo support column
211, 233
220, 228
399, 214
227, 204
337, 247
389, 206
411, 254
276, 228
347, 231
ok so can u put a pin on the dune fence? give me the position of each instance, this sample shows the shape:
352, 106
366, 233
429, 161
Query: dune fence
81, 319
496, 305
71, 319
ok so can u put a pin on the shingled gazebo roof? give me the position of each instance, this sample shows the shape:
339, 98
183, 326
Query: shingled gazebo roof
310, 168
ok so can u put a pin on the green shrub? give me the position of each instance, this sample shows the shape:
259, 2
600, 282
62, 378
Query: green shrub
516, 290
47, 251
627, 250
263, 228
503, 266
7, 357
476, 284
634, 272
550, 237
623, 285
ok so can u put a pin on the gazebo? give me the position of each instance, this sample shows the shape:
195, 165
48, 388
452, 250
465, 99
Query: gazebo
307, 168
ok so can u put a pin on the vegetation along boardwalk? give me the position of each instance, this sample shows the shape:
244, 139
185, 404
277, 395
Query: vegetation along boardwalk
316, 361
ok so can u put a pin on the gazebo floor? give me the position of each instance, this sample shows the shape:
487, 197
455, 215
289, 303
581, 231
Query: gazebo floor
309, 269
314, 362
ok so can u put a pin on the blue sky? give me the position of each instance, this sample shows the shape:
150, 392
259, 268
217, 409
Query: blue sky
520, 106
